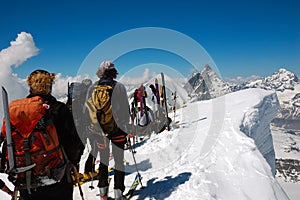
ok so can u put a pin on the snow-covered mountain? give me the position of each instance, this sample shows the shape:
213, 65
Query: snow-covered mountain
286, 125
206, 84
279, 81
287, 87
289, 115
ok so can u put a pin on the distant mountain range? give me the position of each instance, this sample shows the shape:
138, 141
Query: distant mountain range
206, 84
280, 81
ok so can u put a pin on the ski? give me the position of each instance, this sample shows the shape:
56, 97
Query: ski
141, 100
157, 91
174, 106
144, 95
133, 187
165, 99
91, 176
11, 161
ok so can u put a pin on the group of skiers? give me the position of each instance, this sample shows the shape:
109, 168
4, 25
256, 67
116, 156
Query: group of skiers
101, 115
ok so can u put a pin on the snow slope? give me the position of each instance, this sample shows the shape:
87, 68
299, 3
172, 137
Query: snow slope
206, 155
256, 124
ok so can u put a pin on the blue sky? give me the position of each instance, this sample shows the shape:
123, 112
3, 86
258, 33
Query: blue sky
242, 37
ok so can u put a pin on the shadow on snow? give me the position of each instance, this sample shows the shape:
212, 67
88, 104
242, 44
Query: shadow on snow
164, 188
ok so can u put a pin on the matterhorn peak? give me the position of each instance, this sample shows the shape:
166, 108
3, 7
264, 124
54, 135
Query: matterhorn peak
207, 67
206, 85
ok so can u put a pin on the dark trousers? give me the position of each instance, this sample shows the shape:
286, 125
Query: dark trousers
119, 171
89, 164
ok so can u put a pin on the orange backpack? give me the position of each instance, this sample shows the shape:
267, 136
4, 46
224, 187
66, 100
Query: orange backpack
35, 141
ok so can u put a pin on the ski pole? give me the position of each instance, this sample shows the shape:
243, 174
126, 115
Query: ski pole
77, 180
174, 107
136, 167
15, 194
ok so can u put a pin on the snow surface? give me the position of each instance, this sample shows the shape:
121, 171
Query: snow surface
286, 145
206, 155
291, 188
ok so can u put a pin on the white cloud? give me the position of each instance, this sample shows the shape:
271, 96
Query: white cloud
240, 79
60, 87
17, 53
136, 80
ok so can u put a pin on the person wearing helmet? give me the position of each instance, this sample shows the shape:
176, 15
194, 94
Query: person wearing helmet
107, 74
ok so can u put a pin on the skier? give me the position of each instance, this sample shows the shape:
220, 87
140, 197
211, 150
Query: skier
40, 83
120, 108
77, 93
4, 188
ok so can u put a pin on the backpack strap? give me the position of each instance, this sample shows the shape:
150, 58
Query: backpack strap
27, 162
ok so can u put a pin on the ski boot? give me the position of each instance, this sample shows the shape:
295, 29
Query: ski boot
118, 194
103, 193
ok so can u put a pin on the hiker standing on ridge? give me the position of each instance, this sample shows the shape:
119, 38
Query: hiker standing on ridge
111, 121
40, 83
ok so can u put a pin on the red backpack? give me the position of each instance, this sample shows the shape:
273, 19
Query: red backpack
35, 141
